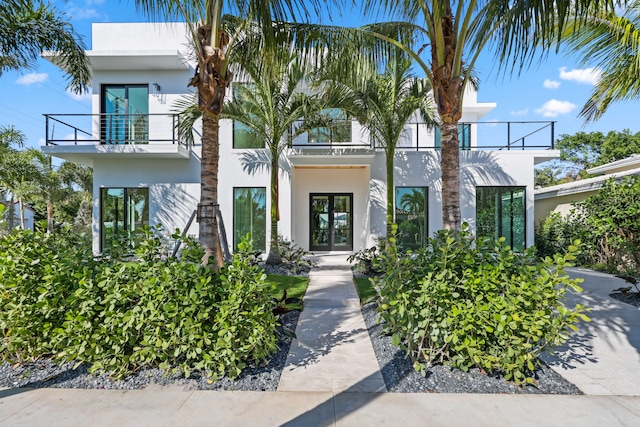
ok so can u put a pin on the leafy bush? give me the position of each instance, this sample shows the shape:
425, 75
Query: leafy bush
476, 304
39, 272
366, 261
608, 224
119, 315
294, 258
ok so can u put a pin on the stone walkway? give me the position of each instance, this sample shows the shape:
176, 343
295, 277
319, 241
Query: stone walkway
333, 351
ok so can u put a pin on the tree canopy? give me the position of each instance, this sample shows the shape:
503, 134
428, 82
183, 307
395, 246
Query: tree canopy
29, 27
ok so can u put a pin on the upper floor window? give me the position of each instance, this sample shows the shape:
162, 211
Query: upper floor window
125, 114
339, 131
464, 137
243, 136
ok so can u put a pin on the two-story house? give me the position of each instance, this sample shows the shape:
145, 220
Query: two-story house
333, 184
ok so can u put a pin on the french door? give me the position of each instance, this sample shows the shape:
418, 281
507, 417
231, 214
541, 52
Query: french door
331, 222
125, 114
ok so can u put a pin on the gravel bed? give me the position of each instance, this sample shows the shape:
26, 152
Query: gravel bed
286, 270
399, 375
46, 373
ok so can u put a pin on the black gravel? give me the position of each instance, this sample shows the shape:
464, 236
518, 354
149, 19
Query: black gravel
46, 373
399, 375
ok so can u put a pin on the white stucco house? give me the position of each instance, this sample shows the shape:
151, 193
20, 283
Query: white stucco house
332, 188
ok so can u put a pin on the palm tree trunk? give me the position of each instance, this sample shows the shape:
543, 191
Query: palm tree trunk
49, 215
208, 229
450, 164
448, 87
390, 192
22, 224
274, 251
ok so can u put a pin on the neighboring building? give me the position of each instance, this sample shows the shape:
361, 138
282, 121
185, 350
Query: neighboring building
562, 197
332, 189
29, 215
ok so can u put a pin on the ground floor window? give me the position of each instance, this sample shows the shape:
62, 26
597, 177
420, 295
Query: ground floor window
411, 216
500, 212
122, 212
250, 216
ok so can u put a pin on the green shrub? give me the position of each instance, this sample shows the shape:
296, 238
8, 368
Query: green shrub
137, 309
39, 272
607, 223
476, 304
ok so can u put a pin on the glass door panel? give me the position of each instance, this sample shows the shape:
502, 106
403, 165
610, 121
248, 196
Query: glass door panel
113, 210
342, 222
125, 118
320, 222
331, 225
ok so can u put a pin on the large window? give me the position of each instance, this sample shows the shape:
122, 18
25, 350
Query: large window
250, 216
125, 114
122, 212
243, 136
339, 131
501, 212
411, 216
464, 137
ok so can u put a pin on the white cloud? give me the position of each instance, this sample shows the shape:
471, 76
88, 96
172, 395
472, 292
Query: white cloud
520, 112
29, 79
554, 108
589, 76
551, 84
84, 13
77, 97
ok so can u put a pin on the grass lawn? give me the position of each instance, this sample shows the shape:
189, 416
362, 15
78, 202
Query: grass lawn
365, 289
296, 287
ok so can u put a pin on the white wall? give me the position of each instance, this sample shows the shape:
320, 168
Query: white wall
143, 36
345, 179
174, 189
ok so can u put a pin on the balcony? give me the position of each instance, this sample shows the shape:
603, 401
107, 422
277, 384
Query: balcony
536, 137
84, 137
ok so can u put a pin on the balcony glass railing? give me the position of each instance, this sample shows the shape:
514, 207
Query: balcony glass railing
112, 129
535, 135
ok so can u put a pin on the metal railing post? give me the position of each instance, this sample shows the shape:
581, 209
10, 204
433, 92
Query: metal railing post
553, 136
508, 135
46, 129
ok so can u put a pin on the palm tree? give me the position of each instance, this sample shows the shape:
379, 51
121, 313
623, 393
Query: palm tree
456, 34
28, 27
214, 44
383, 103
276, 109
610, 41
10, 139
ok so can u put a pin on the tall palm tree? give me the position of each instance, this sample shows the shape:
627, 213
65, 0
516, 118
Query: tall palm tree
383, 103
610, 41
276, 108
213, 45
28, 27
454, 33
457, 32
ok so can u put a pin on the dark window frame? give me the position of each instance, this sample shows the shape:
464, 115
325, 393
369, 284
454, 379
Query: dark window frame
426, 207
500, 212
125, 219
266, 217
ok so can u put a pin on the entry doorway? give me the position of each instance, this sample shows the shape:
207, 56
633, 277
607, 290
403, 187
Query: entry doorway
331, 222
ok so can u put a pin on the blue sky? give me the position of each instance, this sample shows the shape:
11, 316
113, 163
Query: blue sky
555, 89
